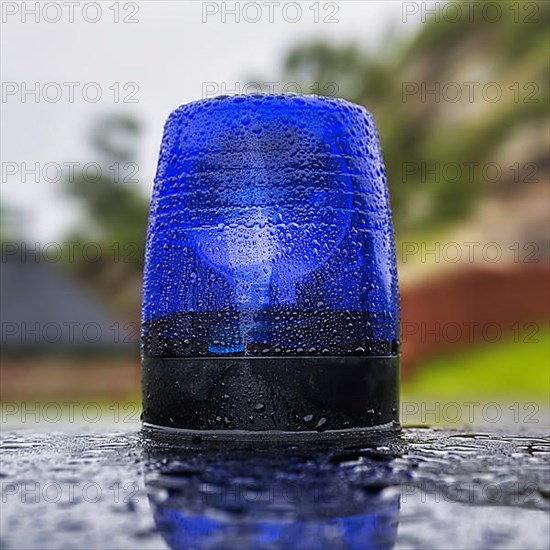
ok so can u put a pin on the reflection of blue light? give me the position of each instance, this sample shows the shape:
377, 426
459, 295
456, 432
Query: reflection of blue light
278, 498
377, 529
270, 231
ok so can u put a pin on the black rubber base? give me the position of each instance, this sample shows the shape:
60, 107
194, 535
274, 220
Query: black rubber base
287, 398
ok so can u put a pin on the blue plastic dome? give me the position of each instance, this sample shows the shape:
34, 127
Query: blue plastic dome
270, 232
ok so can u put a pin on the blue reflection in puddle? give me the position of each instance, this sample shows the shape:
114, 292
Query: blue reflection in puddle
273, 499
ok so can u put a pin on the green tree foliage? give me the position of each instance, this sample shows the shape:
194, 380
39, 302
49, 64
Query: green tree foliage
421, 130
115, 214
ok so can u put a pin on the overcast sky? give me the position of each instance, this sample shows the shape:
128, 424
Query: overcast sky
169, 53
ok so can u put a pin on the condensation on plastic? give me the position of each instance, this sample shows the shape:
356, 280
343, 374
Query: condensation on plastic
270, 232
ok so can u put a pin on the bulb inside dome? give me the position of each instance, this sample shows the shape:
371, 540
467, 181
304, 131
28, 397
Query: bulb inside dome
266, 230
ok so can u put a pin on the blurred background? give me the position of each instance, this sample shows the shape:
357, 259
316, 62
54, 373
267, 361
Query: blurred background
460, 93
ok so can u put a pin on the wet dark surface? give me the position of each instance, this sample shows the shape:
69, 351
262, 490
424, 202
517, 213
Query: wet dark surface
425, 489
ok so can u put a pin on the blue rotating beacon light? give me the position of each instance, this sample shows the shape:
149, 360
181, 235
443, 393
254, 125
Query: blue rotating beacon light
270, 301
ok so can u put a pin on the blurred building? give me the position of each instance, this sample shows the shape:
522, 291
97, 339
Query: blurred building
49, 321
